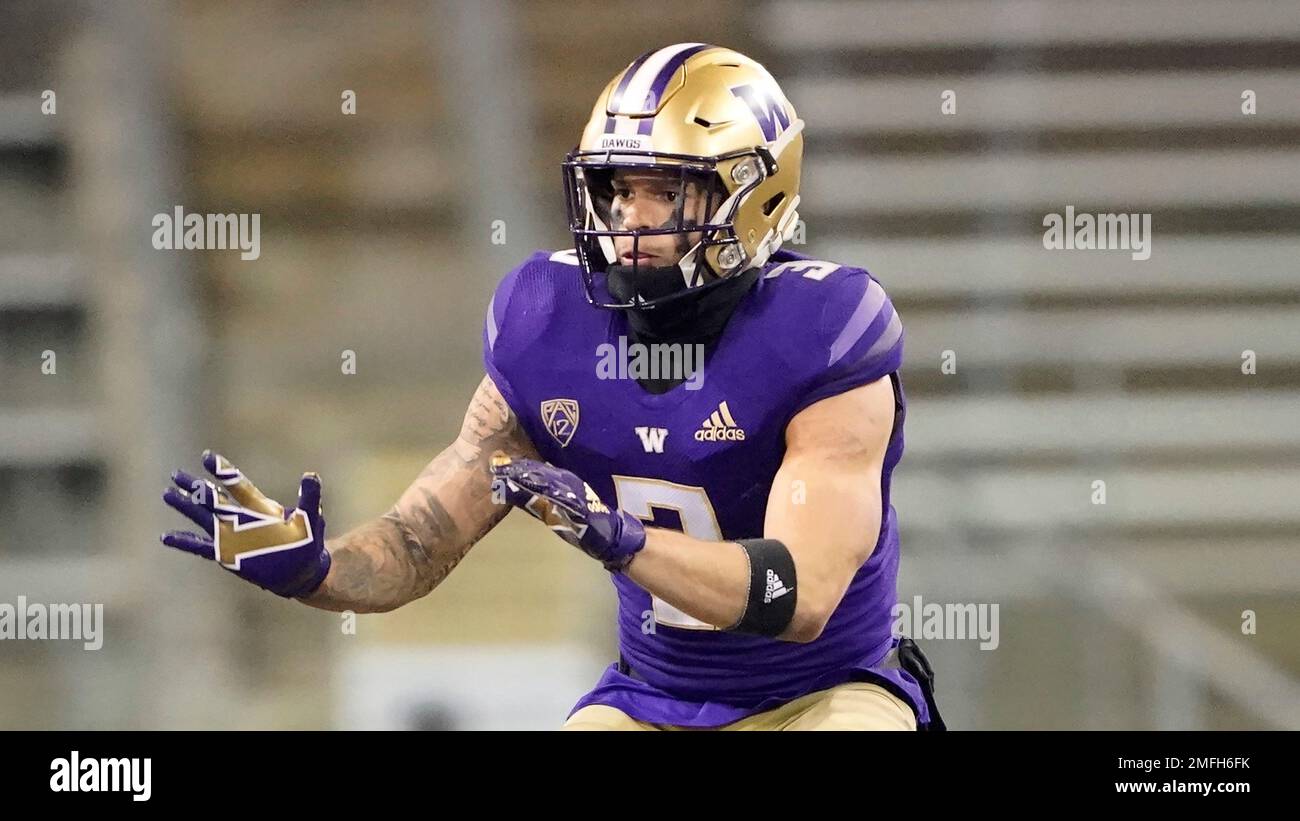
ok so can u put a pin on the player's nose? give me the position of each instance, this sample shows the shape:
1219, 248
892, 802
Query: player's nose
642, 211
635, 216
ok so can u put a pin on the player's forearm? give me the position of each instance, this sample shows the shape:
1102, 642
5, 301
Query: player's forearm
706, 580
711, 582
407, 552
374, 568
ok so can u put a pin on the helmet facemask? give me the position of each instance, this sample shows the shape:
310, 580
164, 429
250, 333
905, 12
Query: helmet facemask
707, 250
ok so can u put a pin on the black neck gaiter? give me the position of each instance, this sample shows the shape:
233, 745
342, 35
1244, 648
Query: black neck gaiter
693, 319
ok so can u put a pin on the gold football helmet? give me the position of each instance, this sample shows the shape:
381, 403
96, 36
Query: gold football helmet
715, 119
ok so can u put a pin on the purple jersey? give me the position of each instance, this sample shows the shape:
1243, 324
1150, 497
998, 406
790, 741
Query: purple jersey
701, 458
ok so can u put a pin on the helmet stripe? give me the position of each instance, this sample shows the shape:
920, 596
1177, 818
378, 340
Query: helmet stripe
638, 85
661, 79
616, 99
660, 82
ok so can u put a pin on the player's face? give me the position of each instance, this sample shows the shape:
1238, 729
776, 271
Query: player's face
651, 199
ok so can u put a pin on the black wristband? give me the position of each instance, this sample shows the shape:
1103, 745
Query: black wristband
772, 589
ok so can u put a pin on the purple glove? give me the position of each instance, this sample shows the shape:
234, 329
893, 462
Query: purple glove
248, 534
568, 505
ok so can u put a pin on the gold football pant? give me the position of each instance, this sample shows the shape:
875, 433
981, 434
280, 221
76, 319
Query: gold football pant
852, 706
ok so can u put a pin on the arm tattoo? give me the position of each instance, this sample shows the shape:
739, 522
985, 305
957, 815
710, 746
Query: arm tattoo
409, 550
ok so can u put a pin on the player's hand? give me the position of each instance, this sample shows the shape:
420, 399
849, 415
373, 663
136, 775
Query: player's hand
248, 534
569, 506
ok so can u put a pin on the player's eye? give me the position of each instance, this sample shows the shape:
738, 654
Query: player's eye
670, 195
621, 193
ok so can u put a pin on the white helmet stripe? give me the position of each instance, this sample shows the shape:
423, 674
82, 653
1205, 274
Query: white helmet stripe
633, 98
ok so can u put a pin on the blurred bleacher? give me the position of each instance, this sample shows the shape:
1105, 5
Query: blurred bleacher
1076, 366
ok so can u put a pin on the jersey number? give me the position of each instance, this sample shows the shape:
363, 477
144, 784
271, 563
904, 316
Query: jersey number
812, 269
639, 496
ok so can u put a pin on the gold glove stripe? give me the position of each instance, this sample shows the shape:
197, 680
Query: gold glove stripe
246, 523
236, 542
245, 492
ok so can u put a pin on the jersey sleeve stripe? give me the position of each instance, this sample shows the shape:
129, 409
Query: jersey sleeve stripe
888, 338
492, 323
869, 307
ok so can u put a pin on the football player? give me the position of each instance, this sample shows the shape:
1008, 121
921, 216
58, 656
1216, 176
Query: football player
744, 518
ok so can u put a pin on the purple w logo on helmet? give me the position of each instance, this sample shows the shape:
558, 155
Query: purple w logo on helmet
772, 117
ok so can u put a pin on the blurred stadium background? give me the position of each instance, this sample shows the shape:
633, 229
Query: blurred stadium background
377, 231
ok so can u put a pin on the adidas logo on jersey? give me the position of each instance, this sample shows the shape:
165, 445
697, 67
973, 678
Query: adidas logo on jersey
775, 587
720, 427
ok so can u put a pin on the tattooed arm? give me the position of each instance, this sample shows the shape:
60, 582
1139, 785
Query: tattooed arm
408, 551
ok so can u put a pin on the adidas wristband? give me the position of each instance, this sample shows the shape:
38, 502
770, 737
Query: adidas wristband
772, 592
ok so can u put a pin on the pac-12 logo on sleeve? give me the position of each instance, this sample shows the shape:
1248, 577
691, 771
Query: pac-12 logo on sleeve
561, 419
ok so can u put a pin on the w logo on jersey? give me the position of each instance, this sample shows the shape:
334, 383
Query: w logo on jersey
772, 117
652, 439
